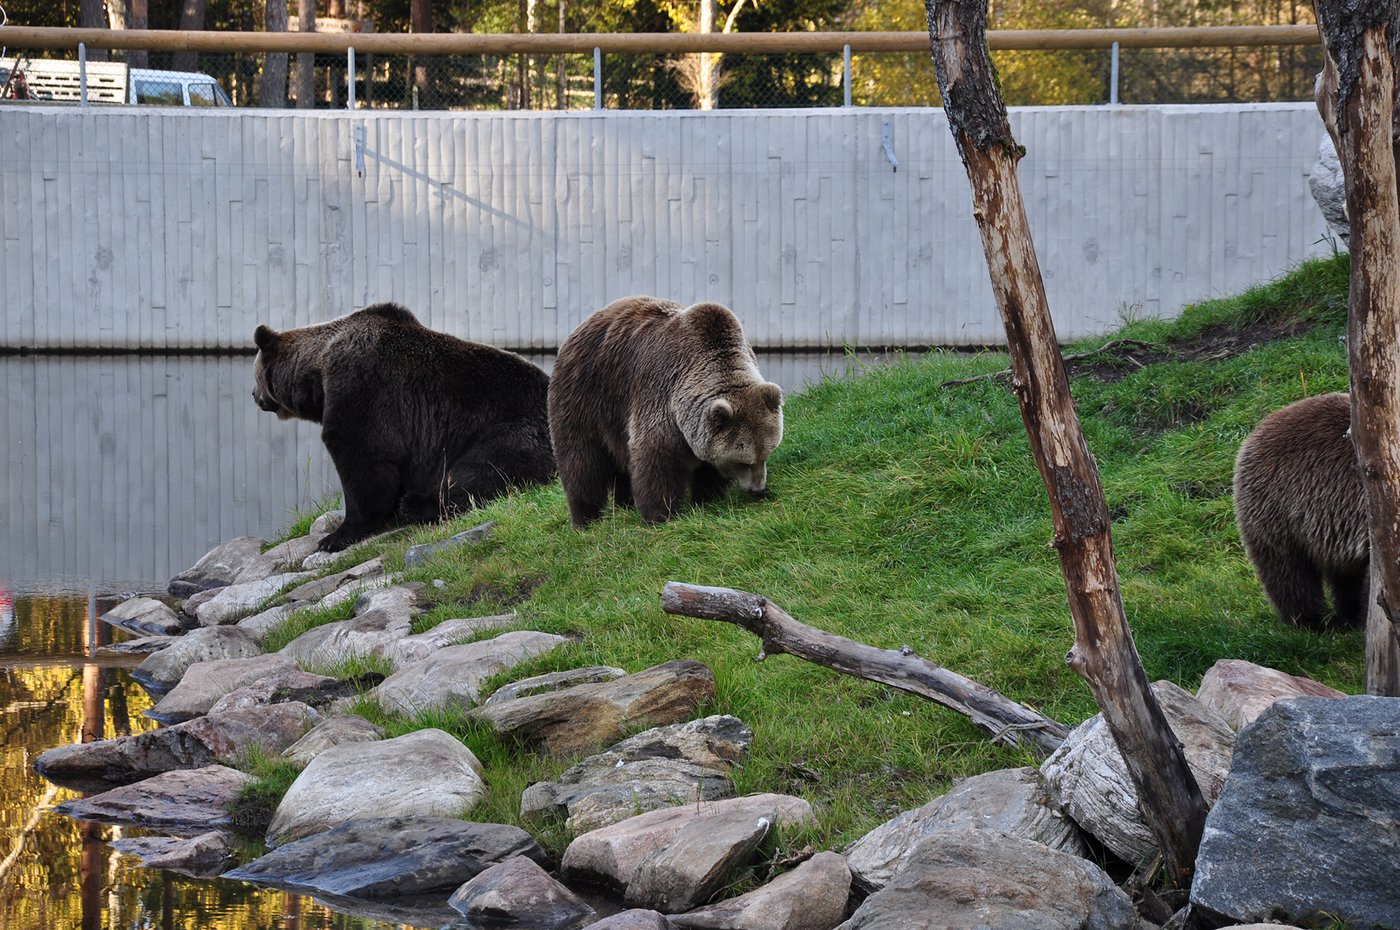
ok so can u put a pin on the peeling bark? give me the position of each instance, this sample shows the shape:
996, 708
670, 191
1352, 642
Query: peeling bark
1104, 653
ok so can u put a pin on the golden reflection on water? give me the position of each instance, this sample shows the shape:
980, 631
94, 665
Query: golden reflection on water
57, 873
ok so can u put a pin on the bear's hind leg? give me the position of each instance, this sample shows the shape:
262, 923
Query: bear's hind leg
1293, 584
622, 490
588, 474
1350, 599
707, 484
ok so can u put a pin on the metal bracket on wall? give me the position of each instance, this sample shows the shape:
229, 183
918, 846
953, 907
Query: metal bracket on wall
887, 142
360, 150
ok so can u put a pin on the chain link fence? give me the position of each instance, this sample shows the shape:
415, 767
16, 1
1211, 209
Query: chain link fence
657, 81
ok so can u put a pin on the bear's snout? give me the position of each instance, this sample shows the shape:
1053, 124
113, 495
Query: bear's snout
753, 479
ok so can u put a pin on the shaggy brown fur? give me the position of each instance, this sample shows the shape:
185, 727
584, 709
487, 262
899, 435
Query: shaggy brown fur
649, 400
420, 424
1301, 511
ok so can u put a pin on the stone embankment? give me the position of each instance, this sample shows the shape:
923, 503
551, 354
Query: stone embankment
1304, 782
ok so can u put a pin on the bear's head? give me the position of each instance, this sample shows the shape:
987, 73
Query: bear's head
281, 383
740, 431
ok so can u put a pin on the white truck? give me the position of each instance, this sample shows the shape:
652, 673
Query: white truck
44, 79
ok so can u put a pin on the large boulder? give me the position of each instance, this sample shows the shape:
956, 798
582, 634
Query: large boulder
204, 683
390, 856
660, 767
584, 716
704, 856
197, 800
163, 670
1011, 801
238, 559
1329, 189
237, 601
1308, 827
145, 616
553, 681
983, 880
426, 773
518, 892
810, 897
452, 676
454, 632
332, 731
1239, 691
382, 617
1089, 780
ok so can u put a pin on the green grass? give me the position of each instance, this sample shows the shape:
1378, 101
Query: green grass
301, 521
906, 513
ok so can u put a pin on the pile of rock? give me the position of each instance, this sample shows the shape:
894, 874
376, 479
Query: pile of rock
1305, 820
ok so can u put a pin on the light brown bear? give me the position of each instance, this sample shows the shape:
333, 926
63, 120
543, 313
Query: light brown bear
1301, 511
649, 401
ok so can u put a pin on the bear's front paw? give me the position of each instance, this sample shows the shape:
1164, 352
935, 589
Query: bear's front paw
342, 538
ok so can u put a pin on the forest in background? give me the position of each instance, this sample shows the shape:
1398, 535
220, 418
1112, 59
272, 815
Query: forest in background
695, 81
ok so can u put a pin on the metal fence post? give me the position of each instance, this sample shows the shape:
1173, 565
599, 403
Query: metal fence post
846, 73
1113, 77
82, 74
350, 78
597, 78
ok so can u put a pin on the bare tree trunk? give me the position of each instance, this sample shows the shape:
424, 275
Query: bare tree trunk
140, 19
306, 61
1360, 41
1104, 653
705, 91
91, 15
420, 19
272, 87
563, 76
192, 13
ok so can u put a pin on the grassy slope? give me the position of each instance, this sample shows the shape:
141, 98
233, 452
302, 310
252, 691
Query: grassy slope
902, 513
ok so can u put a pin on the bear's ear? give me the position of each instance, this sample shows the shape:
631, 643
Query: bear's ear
719, 413
771, 395
264, 336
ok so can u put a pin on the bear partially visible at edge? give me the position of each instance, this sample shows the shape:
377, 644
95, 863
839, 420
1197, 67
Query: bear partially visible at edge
420, 425
654, 403
1301, 511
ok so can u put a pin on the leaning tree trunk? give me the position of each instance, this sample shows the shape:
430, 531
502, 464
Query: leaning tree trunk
272, 88
191, 20
1360, 38
305, 79
1104, 653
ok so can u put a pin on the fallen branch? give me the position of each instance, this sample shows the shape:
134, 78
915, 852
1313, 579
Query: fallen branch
1110, 346
1006, 721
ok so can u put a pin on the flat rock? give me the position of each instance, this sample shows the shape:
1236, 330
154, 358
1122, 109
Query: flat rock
199, 798
982, 880
661, 767
454, 632
382, 617
553, 681
194, 744
1239, 691
518, 892
288, 556
285, 685
145, 616
395, 856
452, 676
426, 773
191, 605
163, 670
332, 731
1308, 827
584, 716
237, 601
318, 588
637, 918
143, 646
704, 856
238, 559
202, 856
352, 590
260, 624
611, 855
204, 683
417, 555
1089, 781
1011, 801
810, 897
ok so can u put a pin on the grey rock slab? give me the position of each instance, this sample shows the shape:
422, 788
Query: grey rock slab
352, 590
237, 601
202, 856
197, 743
419, 646
661, 767
518, 892
554, 681
318, 588
1329, 189
146, 616
637, 918
1089, 781
288, 556
390, 856
143, 646
417, 555
704, 856
1308, 827
982, 880
190, 606
163, 670
204, 683
585, 716
1011, 801
426, 773
382, 617
1239, 691
260, 624
238, 559
199, 798
332, 731
290, 684
809, 897
452, 676
611, 855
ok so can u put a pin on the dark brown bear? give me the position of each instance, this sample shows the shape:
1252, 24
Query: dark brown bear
420, 424
650, 401
1301, 511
